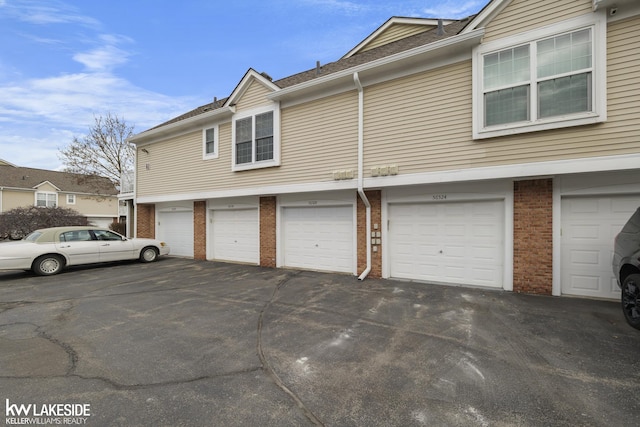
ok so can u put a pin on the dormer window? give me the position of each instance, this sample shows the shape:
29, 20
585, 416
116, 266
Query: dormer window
46, 200
256, 139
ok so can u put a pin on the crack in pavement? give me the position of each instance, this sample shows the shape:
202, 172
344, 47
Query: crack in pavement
119, 386
267, 366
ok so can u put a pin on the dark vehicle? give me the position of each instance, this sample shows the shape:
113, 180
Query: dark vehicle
626, 268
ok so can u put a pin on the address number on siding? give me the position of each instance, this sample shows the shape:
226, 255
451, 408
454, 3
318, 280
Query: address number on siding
439, 197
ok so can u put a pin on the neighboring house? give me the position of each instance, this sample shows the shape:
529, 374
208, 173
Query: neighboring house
499, 151
94, 197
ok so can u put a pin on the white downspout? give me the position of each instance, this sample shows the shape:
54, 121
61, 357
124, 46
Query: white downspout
363, 196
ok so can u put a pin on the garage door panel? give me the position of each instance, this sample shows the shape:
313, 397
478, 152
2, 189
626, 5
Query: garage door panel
460, 243
176, 228
318, 238
589, 225
235, 235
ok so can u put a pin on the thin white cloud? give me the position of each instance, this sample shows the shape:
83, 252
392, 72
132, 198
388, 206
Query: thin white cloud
105, 57
47, 12
339, 5
454, 9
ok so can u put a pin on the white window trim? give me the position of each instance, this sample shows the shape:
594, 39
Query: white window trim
71, 199
276, 139
216, 137
46, 193
598, 23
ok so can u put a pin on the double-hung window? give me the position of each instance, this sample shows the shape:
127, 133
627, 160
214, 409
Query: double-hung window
48, 200
542, 79
256, 140
210, 143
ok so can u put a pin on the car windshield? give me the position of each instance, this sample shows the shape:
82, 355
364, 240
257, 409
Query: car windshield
32, 237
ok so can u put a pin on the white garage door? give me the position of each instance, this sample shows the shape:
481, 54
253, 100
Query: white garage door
461, 243
235, 235
176, 228
100, 221
319, 238
589, 225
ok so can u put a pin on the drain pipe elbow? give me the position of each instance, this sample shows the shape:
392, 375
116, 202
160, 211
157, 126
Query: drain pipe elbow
361, 193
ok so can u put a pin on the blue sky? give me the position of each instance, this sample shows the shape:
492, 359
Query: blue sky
64, 62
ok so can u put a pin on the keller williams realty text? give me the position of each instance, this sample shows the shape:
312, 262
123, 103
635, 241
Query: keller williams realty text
48, 413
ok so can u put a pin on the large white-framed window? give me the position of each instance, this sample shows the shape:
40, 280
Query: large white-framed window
46, 199
256, 139
547, 78
210, 142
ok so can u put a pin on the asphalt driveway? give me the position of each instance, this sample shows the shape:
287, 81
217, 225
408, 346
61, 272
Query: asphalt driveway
188, 343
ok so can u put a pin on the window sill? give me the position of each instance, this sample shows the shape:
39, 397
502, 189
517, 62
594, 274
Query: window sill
257, 165
548, 124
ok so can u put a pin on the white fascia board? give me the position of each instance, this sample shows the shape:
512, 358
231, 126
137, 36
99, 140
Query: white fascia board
269, 190
242, 86
372, 70
516, 171
47, 182
395, 20
486, 15
181, 126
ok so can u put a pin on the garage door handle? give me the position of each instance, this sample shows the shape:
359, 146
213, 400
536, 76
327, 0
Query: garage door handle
106, 244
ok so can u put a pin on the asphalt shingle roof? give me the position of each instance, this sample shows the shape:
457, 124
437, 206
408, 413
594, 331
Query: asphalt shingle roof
30, 178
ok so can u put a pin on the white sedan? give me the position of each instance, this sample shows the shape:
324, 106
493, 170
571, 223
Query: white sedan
49, 250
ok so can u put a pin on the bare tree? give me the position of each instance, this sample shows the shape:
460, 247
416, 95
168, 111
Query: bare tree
104, 151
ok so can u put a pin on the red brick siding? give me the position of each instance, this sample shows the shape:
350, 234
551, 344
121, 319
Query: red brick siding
375, 199
200, 230
146, 221
532, 236
268, 231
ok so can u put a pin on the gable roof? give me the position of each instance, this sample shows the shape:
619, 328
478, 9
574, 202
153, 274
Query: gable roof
410, 26
5, 163
360, 57
30, 179
488, 12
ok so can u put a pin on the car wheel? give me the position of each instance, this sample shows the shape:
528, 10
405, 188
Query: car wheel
47, 265
631, 300
149, 254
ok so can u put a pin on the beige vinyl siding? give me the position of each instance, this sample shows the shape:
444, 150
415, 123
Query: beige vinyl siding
254, 96
422, 123
316, 138
320, 137
92, 206
12, 199
524, 15
396, 32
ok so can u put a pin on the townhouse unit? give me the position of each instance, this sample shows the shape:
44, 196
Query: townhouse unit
94, 197
499, 151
